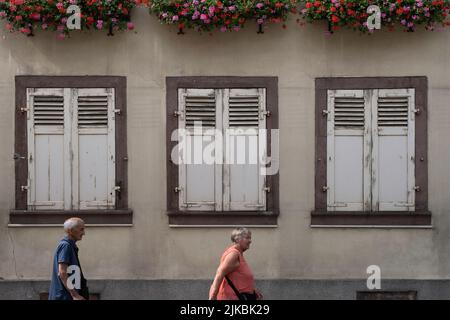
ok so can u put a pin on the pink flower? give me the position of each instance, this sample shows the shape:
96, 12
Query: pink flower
130, 25
175, 18
259, 5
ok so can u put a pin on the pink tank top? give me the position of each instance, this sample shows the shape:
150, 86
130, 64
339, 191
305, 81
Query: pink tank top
242, 278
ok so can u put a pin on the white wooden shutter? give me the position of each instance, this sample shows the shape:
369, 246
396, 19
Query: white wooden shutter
200, 113
48, 167
348, 151
244, 117
393, 150
93, 143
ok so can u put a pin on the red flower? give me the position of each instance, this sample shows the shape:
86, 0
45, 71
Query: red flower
335, 19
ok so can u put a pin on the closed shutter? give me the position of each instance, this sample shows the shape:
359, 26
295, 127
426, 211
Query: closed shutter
200, 178
393, 150
93, 143
244, 179
47, 132
348, 151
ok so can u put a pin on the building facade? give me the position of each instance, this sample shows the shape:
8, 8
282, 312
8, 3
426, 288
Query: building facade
361, 123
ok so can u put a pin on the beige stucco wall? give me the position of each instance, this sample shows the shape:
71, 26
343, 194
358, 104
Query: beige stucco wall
152, 250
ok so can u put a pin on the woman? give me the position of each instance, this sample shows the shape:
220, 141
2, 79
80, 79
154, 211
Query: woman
234, 266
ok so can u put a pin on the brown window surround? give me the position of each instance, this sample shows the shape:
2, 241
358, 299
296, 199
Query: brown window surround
420, 217
121, 214
178, 217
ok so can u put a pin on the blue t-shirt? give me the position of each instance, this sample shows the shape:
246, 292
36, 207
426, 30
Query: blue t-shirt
65, 253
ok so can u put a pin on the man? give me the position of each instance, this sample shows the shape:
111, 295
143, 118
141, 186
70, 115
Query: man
68, 282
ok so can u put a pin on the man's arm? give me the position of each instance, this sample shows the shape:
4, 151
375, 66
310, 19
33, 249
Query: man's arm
62, 273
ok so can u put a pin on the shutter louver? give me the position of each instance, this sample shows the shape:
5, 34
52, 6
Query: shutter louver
349, 112
393, 111
46, 137
48, 111
393, 150
244, 119
348, 178
200, 108
244, 111
93, 144
93, 111
199, 179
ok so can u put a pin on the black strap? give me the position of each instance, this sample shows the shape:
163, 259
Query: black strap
234, 288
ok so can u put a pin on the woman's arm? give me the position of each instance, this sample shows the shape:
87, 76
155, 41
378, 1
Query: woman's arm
229, 264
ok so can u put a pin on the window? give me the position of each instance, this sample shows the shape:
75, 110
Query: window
236, 115
371, 152
218, 177
71, 148
70, 157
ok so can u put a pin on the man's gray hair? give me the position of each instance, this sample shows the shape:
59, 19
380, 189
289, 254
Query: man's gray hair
238, 233
71, 223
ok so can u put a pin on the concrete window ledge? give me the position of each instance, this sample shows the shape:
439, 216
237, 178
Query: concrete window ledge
112, 217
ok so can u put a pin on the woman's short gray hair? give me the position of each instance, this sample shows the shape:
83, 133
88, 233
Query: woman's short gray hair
238, 233
71, 223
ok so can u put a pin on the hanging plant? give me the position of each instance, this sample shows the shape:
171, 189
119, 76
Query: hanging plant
26, 16
408, 14
223, 15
